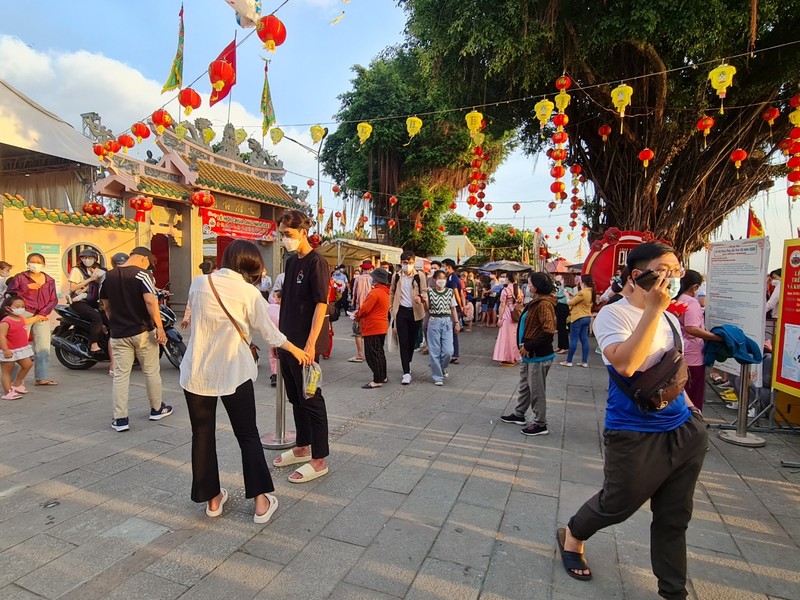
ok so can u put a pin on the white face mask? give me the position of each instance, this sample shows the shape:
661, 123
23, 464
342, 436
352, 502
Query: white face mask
503, 281
87, 262
408, 268
674, 286
35, 267
440, 283
290, 244
18, 311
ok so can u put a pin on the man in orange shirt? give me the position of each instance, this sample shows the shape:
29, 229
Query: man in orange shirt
374, 321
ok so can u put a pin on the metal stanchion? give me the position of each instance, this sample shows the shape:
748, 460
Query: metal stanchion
280, 439
740, 437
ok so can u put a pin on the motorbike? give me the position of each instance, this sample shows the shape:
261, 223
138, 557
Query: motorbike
71, 337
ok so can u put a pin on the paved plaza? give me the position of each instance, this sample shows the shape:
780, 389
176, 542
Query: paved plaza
429, 496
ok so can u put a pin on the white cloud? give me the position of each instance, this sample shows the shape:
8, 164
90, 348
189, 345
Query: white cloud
21, 62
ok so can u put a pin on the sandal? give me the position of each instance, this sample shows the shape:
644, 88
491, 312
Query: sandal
565, 363
715, 378
573, 561
46, 382
309, 473
371, 386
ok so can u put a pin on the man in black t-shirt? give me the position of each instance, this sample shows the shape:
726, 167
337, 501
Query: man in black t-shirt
129, 301
304, 303
454, 282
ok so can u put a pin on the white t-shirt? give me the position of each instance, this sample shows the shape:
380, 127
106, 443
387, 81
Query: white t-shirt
406, 283
616, 322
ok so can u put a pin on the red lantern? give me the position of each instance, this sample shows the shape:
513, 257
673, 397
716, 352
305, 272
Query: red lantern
100, 151
320, 211
516, 206
604, 131
480, 203
222, 74
559, 229
575, 169
477, 151
202, 199
552, 205
418, 226
426, 204
794, 162
465, 230
271, 31
795, 101
453, 206
560, 120
112, 147
737, 156
770, 114
310, 183
573, 215
391, 223
794, 134
573, 224
557, 172
556, 187
479, 215
367, 196
392, 200
337, 214
189, 100
646, 156
472, 200
489, 230
126, 142
560, 137
558, 154
162, 120
793, 191
488, 208
336, 189
512, 231
141, 204
364, 219
705, 124
476, 163
793, 176
481, 195
784, 145
141, 131
473, 188
315, 240
94, 208
563, 83
475, 176
442, 228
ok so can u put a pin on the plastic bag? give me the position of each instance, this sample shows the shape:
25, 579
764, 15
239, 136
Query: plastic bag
393, 342
312, 379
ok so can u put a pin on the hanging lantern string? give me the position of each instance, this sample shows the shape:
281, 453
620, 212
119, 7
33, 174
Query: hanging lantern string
541, 96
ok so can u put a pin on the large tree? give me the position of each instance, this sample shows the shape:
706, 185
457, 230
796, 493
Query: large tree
431, 167
478, 52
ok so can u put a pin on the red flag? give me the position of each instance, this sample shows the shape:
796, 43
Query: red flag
229, 56
754, 226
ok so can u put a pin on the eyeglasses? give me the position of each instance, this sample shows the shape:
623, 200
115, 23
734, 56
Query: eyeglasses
667, 273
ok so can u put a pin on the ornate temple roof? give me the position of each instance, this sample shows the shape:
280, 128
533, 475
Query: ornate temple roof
164, 189
233, 182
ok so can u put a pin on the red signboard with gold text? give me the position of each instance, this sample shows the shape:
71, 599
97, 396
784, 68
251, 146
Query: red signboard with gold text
237, 226
786, 362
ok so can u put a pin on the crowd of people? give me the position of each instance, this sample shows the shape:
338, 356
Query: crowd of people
652, 452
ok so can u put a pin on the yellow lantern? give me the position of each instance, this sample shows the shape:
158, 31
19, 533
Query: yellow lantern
240, 135
180, 130
721, 79
364, 131
276, 134
479, 139
208, 135
543, 109
317, 133
794, 117
621, 97
562, 101
413, 126
474, 119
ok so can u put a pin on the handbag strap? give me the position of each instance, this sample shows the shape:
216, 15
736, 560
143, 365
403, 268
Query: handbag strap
225, 310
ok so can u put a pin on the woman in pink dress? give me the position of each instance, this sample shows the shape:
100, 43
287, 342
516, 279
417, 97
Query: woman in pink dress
506, 351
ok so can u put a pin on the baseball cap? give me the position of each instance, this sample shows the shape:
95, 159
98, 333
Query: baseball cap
142, 251
367, 265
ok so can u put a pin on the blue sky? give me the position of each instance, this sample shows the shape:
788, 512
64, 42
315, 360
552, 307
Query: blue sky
113, 57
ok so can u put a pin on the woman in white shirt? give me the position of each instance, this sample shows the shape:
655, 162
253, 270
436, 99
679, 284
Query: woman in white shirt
219, 363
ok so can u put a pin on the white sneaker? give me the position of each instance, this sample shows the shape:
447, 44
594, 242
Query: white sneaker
438, 383
446, 374
406, 379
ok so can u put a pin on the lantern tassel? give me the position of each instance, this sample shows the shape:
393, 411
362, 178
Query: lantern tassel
218, 85
140, 215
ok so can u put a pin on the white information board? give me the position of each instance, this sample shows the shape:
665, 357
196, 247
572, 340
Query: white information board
736, 292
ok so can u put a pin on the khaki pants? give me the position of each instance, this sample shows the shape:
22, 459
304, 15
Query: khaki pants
144, 348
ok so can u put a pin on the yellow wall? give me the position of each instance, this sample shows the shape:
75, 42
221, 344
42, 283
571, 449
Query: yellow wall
16, 232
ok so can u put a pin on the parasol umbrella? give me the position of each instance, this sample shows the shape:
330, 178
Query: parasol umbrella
512, 266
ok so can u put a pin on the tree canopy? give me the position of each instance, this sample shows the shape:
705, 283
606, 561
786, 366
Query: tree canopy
477, 52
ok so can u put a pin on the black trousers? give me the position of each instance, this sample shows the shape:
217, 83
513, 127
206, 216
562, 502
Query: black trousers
407, 331
90, 313
376, 357
562, 312
662, 468
241, 409
342, 303
310, 414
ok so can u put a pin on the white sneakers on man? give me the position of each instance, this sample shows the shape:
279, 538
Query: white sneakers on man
406, 379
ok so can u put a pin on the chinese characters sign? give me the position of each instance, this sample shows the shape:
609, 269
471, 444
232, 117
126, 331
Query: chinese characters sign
786, 365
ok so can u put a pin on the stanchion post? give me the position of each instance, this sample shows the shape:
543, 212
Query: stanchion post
740, 437
281, 439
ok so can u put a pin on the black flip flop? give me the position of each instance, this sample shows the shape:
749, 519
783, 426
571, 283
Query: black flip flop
369, 386
572, 560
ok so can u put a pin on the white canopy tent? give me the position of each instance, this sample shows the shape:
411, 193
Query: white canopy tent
342, 251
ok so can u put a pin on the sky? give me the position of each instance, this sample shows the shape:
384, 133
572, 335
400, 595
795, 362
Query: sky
113, 58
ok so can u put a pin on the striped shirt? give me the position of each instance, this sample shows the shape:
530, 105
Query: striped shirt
125, 288
441, 303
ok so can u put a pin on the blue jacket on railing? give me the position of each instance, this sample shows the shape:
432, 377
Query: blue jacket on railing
735, 345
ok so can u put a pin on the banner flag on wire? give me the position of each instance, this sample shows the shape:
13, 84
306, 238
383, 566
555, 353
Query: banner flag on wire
266, 103
229, 56
329, 225
175, 79
754, 226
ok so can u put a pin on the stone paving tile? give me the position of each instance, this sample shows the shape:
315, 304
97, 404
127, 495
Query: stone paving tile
347, 481
239, 577
146, 586
365, 517
445, 580
391, 563
431, 500
345, 591
28, 556
487, 487
402, 474
468, 536
328, 560
14, 592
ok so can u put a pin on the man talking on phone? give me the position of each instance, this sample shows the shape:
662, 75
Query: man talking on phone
651, 455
